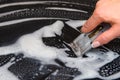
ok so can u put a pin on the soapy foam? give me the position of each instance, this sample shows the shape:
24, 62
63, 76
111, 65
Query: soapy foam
32, 46
75, 23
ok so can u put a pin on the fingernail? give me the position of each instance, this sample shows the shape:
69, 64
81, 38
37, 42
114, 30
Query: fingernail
95, 44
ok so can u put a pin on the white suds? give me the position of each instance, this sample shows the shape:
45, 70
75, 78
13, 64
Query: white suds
32, 44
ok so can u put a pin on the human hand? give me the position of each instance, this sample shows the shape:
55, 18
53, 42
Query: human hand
105, 11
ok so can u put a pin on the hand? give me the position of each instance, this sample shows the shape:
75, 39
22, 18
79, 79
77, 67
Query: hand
105, 11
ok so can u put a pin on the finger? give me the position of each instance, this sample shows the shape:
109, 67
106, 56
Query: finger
91, 23
107, 36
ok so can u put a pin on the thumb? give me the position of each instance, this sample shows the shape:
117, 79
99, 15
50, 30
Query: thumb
91, 23
107, 36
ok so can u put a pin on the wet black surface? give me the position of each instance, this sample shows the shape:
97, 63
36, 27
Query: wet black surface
114, 45
32, 69
69, 34
49, 4
110, 68
53, 42
90, 3
5, 59
64, 74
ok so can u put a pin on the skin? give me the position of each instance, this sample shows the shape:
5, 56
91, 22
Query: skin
105, 11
